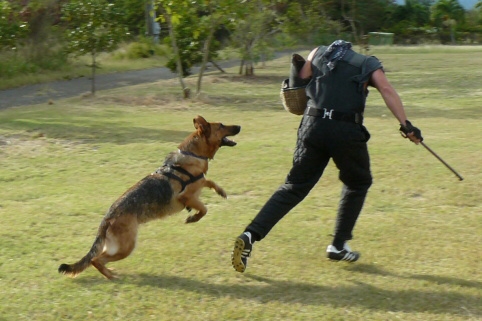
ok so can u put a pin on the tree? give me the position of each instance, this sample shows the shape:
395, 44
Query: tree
12, 28
93, 27
133, 16
359, 16
446, 14
257, 23
307, 22
478, 11
171, 14
192, 26
215, 14
189, 41
415, 11
411, 22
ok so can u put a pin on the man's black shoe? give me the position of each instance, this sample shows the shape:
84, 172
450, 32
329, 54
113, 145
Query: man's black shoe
344, 255
241, 252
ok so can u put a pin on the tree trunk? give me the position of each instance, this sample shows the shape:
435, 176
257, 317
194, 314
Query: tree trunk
241, 67
217, 66
351, 19
249, 70
175, 49
207, 46
149, 17
94, 66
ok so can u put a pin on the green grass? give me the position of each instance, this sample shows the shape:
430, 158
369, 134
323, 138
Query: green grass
62, 166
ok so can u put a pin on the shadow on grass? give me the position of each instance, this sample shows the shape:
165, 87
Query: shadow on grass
256, 80
447, 280
97, 131
374, 270
376, 111
359, 294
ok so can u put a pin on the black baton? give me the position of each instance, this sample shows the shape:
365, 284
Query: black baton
443, 162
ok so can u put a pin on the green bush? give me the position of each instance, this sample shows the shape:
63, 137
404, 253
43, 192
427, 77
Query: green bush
144, 48
139, 50
13, 64
283, 40
30, 59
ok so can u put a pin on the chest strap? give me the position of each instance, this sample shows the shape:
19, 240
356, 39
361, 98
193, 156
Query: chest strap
179, 169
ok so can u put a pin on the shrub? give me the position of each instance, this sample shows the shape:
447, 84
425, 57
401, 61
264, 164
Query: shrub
144, 48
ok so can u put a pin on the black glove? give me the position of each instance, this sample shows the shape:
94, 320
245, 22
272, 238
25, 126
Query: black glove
410, 129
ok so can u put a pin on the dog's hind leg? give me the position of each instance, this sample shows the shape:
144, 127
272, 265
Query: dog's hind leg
119, 244
102, 269
106, 257
197, 205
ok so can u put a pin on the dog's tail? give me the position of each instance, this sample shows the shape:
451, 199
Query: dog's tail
73, 270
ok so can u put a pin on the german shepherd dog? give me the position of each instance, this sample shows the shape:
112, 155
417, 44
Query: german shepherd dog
176, 185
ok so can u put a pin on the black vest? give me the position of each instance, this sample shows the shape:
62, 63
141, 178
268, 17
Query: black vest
339, 89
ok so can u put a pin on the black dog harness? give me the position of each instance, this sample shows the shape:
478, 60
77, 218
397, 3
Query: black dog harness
169, 173
168, 170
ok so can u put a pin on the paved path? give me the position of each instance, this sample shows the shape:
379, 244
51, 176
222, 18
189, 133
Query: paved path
41, 93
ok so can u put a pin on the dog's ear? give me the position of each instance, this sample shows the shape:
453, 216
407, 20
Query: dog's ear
202, 126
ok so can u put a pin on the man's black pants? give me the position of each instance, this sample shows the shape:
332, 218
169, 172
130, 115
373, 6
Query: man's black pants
319, 140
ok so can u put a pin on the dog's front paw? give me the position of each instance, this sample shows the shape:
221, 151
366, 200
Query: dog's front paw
222, 193
192, 219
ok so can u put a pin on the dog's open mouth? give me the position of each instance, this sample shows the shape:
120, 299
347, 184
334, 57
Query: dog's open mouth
233, 130
227, 142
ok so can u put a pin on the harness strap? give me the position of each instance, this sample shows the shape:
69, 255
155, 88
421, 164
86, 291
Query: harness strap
184, 152
184, 183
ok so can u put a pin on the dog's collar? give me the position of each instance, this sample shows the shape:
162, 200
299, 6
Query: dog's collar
192, 154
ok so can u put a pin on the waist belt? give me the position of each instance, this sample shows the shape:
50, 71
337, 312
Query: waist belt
332, 114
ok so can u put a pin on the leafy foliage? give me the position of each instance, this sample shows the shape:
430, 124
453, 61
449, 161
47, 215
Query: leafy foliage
444, 10
190, 43
305, 21
92, 26
255, 28
446, 14
191, 32
133, 15
12, 28
252, 28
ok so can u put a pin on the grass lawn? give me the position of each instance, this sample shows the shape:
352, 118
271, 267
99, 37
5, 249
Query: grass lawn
62, 166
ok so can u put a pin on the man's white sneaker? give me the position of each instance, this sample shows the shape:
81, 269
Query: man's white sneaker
241, 252
344, 255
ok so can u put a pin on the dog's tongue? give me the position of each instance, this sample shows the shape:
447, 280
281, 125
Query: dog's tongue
228, 142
